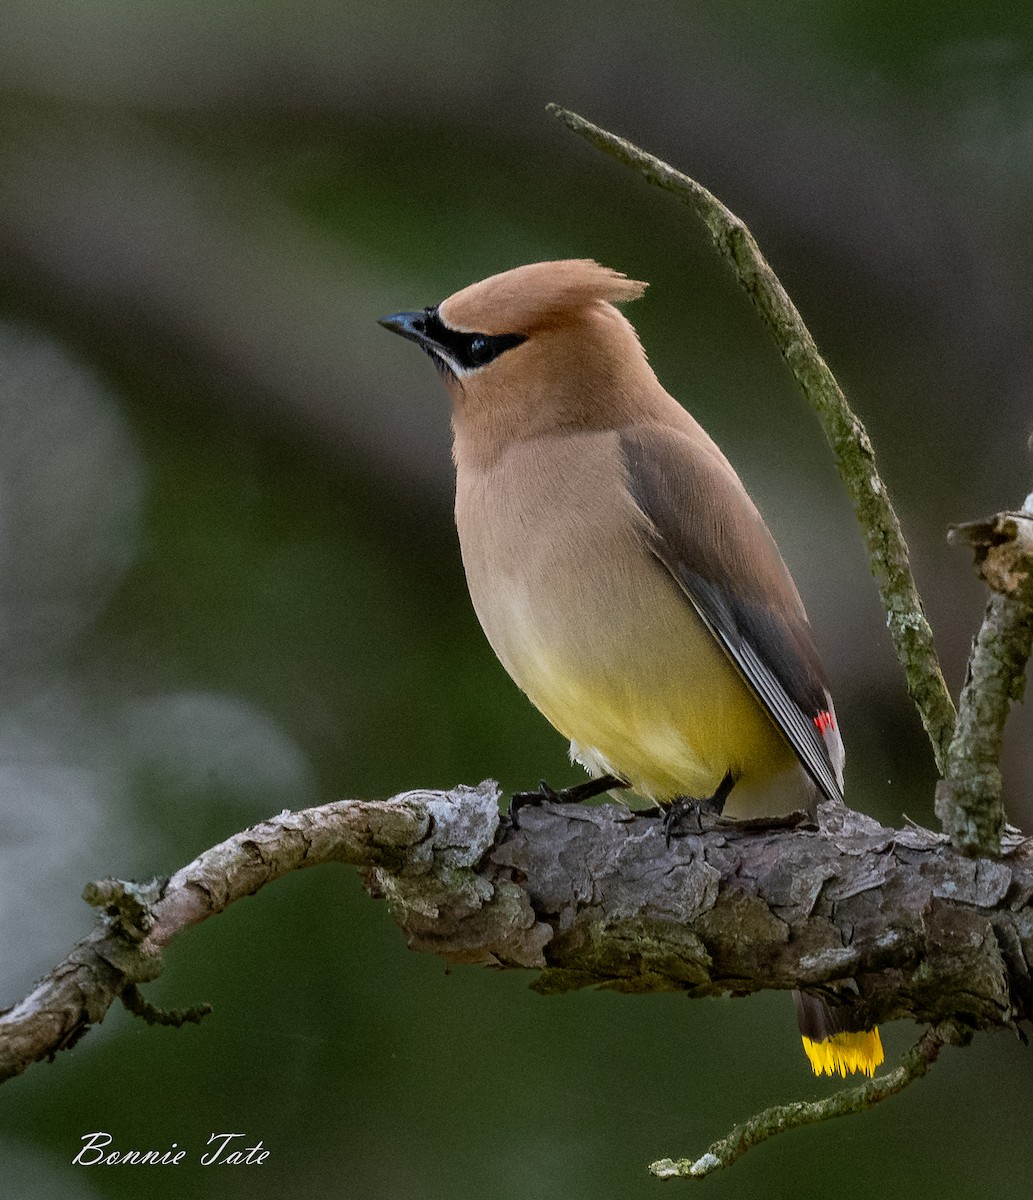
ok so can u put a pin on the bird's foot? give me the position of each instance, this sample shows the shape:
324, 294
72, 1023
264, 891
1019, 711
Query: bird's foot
683, 817
568, 795
687, 806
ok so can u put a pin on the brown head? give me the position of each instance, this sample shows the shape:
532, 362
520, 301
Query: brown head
534, 350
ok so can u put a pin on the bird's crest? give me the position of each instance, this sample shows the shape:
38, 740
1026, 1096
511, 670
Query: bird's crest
536, 296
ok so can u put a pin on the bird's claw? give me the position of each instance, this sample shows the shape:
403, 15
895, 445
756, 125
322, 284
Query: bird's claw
677, 813
712, 806
569, 795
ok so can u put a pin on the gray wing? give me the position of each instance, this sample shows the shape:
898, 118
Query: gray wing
706, 531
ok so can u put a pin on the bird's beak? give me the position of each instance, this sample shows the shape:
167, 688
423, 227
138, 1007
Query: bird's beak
411, 325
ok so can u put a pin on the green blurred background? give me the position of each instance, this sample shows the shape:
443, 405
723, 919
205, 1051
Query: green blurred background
230, 582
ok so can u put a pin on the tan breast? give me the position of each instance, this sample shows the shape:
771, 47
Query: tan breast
594, 629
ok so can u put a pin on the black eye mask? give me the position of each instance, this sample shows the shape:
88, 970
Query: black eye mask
467, 350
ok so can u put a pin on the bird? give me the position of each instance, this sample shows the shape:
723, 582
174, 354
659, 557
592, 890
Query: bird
623, 576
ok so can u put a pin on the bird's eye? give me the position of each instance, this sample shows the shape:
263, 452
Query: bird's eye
479, 351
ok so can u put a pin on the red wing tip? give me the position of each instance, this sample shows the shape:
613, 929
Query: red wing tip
824, 721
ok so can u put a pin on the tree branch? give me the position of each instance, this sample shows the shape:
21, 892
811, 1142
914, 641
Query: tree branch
968, 800
914, 1064
855, 457
138, 920
898, 922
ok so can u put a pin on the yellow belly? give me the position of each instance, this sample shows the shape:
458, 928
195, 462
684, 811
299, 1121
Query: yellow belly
668, 733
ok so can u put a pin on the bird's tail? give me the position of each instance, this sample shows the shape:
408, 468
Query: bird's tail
832, 1041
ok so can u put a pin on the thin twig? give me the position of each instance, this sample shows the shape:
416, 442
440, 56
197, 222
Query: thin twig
855, 458
968, 799
137, 1003
783, 1117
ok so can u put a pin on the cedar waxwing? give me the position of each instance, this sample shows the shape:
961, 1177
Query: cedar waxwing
621, 573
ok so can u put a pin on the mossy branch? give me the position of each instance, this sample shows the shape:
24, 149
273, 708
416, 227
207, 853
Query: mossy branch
969, 801
913, 1065
855, 458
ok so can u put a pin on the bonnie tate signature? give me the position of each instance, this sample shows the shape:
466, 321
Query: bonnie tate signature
225, 1149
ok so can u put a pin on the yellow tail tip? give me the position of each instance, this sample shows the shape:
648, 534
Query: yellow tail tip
845, 1053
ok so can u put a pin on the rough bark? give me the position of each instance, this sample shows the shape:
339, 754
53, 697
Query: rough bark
897, 920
